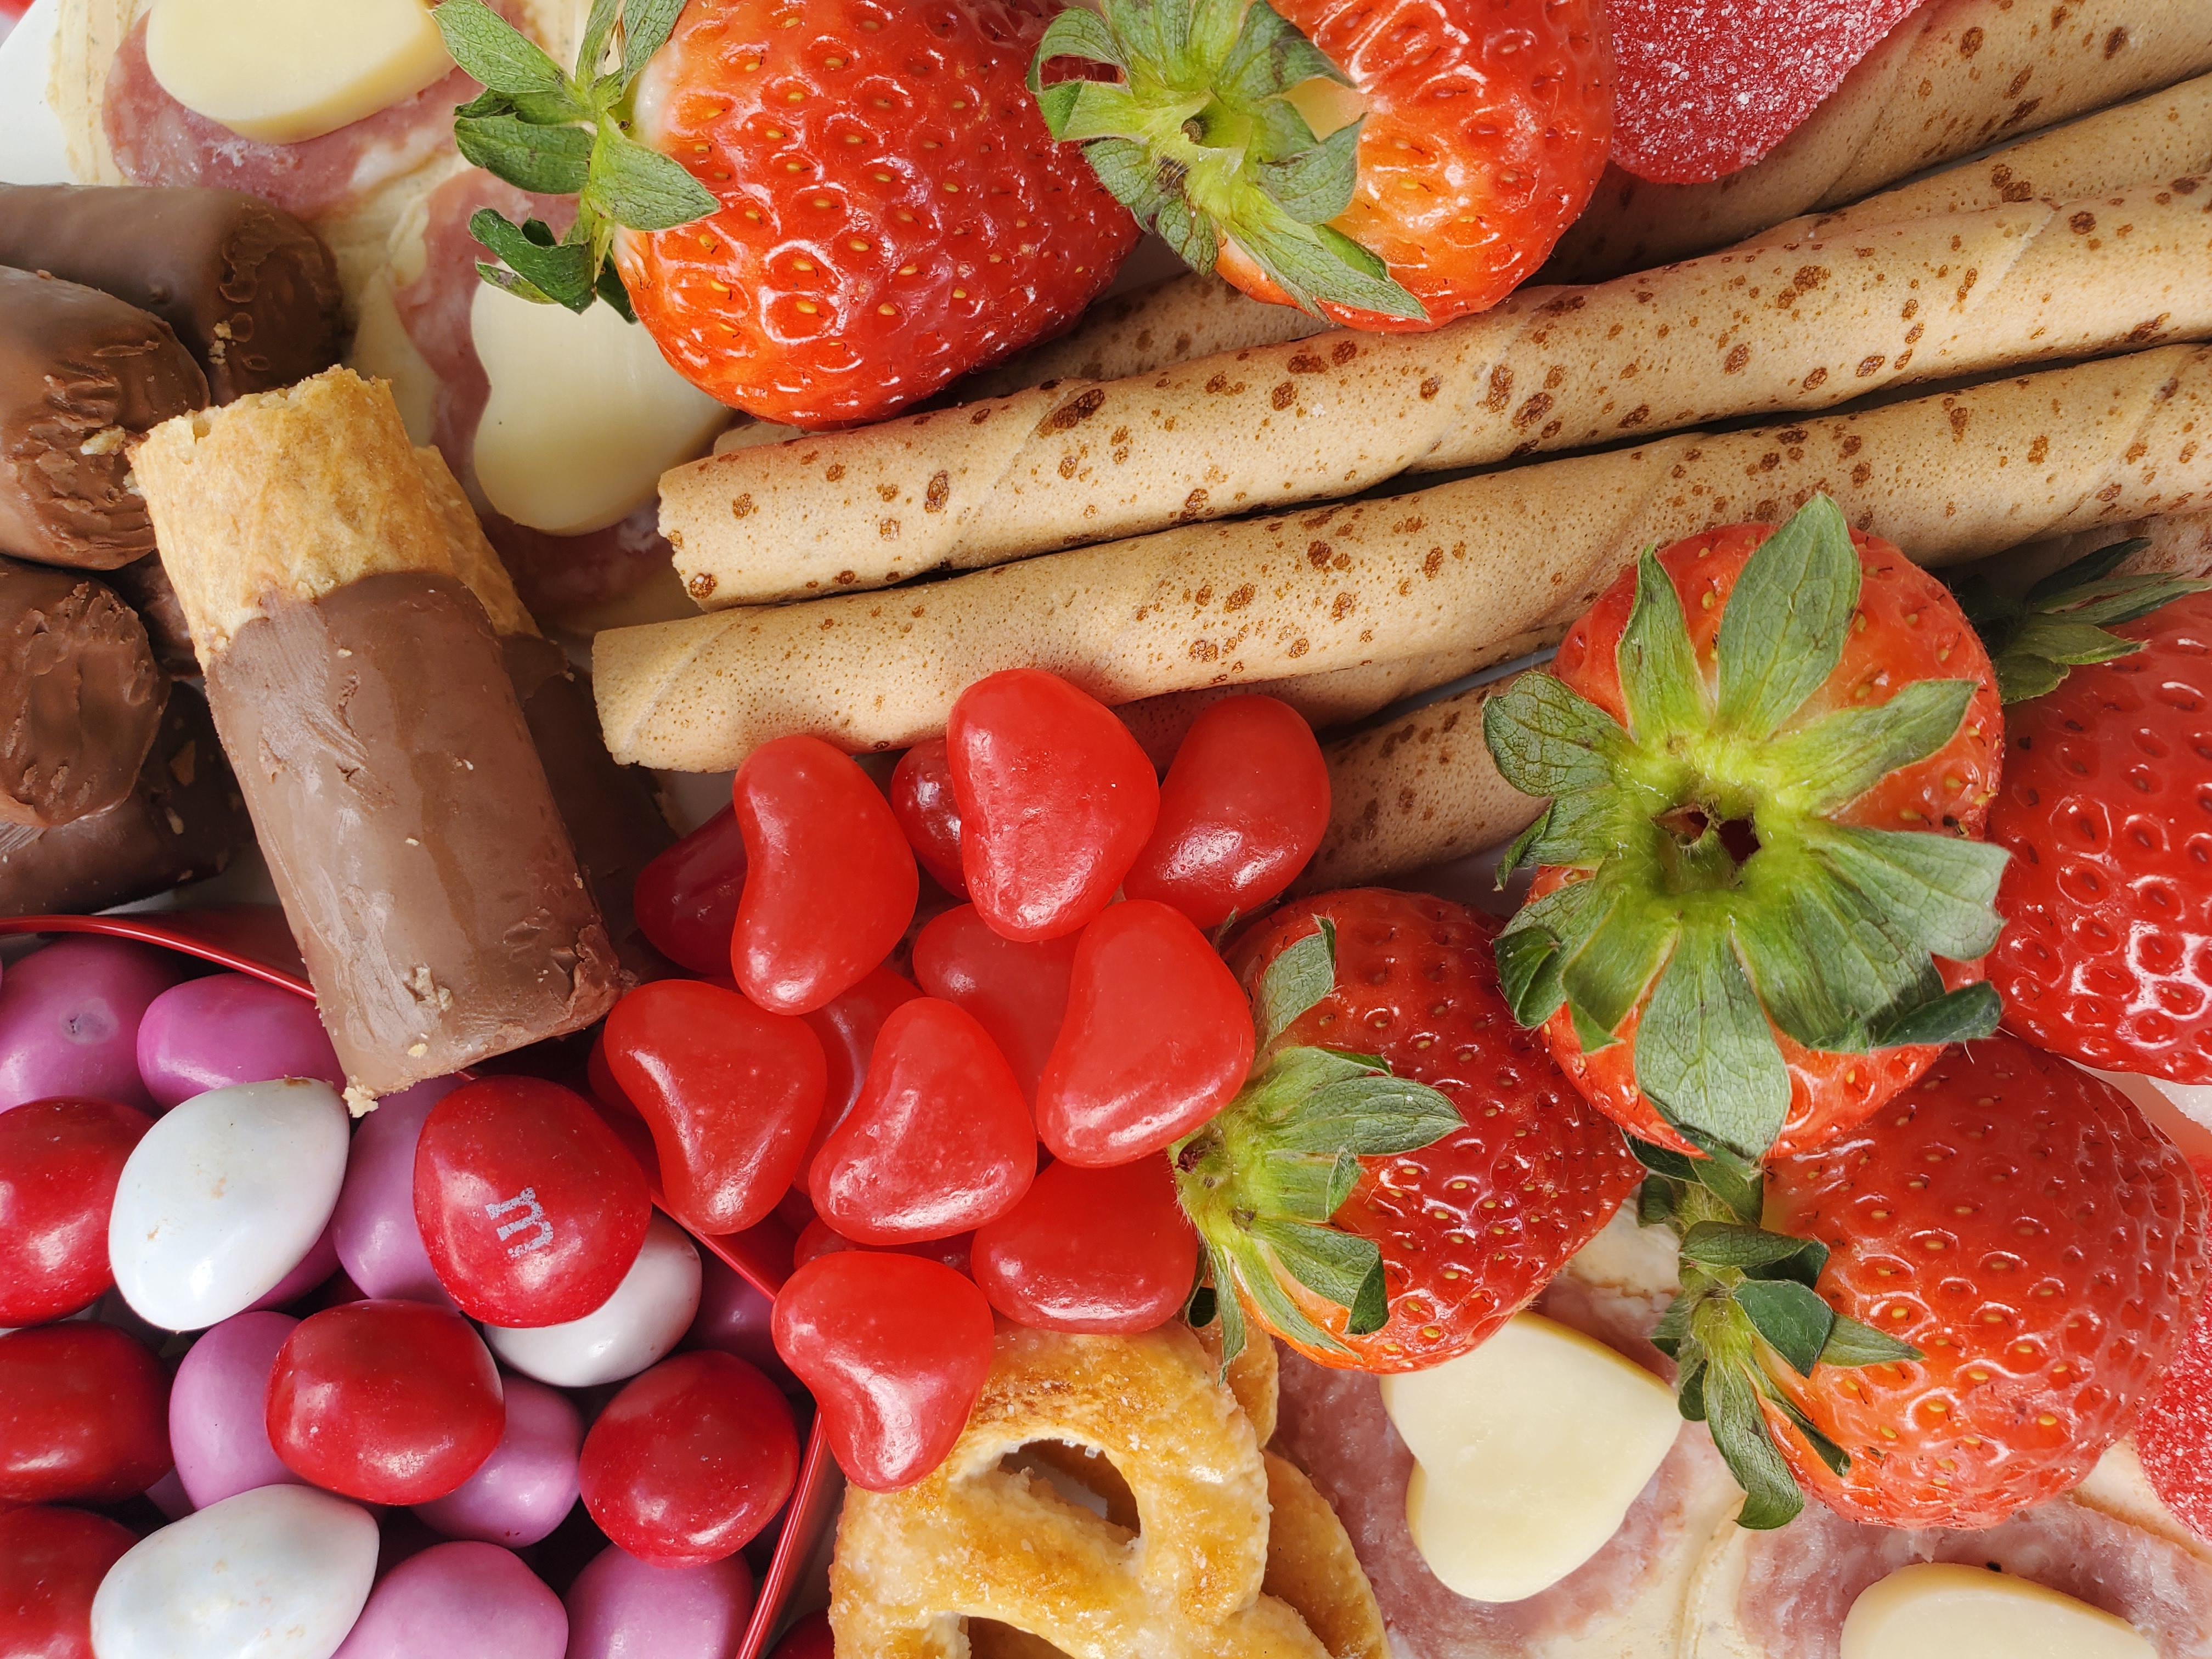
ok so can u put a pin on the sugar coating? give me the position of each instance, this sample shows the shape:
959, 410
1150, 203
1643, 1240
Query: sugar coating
2174, 1436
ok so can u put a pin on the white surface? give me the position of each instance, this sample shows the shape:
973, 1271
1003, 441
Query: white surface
31, 150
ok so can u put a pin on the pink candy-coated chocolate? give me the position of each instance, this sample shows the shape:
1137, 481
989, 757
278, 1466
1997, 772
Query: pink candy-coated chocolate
320, 1261
227, 1028
734, 1318
621, 1607
1705, 90
459, 1598
68, 1020
218, 1426
529, 1482
379, 1243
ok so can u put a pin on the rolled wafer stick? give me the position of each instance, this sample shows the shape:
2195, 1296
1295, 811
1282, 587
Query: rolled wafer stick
1791, 327
1955, 76
360, 688
1465, 564
1422, 790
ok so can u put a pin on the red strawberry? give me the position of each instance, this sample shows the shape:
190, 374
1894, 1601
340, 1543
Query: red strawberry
1764, 891
2106, 809
827, 208
1460, 139
1406, 1253
2017, 1221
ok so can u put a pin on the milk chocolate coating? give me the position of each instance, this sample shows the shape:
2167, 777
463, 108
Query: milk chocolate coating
183, 822
613, 817
80, 696
252, 292
409, 828
144, 586
80, 372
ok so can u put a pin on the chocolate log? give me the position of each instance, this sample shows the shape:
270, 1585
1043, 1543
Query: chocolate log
144, 586
183, 822
80, 696
252, 292
82, 375
363, 694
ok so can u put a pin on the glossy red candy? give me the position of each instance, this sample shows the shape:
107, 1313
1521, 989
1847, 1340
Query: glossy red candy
51, 1561
59, 1162
1056, 799
1241, 809
687, 896
84, 1414
1104, 1250
530, 1207
390, 1402
922, 801
940, 1140
818, 1239
690, 1459
599, 1077
1158, 1039
831, 882
1017, 992
848, 1027
731, 1092
895, 1350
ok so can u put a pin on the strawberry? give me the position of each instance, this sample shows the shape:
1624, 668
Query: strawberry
2106, 809
821, 209
1456, 140
2017, 1223
1387, 1219
1764, 889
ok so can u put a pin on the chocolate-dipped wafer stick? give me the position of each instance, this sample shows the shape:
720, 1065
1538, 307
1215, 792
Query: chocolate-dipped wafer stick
1955, 76
362, 692
252, 292
183, 822
80, 696
144, 586
81, 376
1457, 567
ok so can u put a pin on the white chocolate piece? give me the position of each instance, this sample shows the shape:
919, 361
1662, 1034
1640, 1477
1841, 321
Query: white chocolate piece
1529, 1451
1940, 1610
383, 350
283, 71
584, 414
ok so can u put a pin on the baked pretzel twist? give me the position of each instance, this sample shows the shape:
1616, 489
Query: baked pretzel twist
975, 1540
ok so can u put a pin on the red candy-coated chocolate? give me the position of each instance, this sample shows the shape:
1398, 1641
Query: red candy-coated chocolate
848, 1027
59, 1162
84, 1414
831, 882
731, 1092
51, 1561
690, 1459
895, 1349
530, 1209
687, 897
1101, 1250
390, 1402
1017, 992
940, 1140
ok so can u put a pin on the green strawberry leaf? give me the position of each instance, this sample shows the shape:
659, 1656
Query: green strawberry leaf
1316, 184
1336, 1265
1965, 1015
646, 24
1731, 1409
1783, 632
547, 161
1850, 1343
1826, 1450
1659, 685
1793, 1319
1609, 975
598, 28
1528, 972
1840, 756
1300, 976
493, 51
1704, 1053
562, 274
1941, 890
645, 189
1270, 58
2059, 622
1734, 1244
1549, 740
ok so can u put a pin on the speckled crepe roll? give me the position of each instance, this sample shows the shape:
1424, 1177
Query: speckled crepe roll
1453, 569
1794, 326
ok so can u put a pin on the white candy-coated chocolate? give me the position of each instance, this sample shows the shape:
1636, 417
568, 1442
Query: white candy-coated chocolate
635, 1327
1940, 1610
1528, 1450
284, 71
584, 414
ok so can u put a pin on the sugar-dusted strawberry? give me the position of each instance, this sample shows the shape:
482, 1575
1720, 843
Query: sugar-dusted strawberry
2015, 1221
1386, 1220
2173, 1436
1764, 885
821, 209
2106, 809
1456, 140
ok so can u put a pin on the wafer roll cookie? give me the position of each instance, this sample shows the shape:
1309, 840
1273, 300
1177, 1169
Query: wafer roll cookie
1801, 325
1465, 564
1422, 790
364, 698
1953, 76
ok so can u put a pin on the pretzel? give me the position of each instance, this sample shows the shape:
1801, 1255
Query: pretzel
976, 1542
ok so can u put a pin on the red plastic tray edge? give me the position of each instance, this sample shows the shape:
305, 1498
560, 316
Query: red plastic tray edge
252, 939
